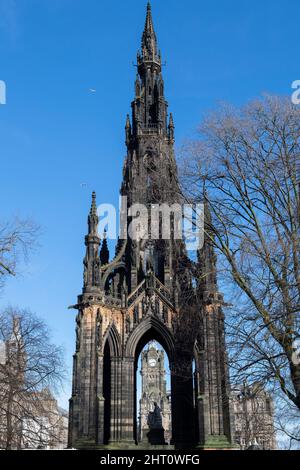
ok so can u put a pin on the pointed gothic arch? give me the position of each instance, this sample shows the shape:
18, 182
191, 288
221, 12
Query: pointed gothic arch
111, 350
112, 338
150, 329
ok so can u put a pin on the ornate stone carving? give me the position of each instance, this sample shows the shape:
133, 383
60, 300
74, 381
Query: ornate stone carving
99, 323
127, 324
78, 334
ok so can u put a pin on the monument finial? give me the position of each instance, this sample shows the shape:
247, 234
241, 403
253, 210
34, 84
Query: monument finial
94, 204
149, 42
93, 218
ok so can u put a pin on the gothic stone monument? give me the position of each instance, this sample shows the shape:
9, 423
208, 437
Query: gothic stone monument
149, 291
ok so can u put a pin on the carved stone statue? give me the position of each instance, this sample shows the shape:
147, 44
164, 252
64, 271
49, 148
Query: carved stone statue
85, 273
155, 418
128, 325
156, 434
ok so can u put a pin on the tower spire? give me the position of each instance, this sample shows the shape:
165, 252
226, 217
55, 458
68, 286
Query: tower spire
128, 130
150, 109
206, 255
93, 218
149, 41
94, 204
92, 243
171, 128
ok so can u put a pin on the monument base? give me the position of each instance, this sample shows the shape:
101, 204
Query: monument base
156, 437
219, 442
148, 447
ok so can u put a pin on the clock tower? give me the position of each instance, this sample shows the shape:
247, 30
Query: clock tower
154, 390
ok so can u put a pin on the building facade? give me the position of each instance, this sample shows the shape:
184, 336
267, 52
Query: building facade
46, 427
253, 412
154, 390
149, 291
29, 419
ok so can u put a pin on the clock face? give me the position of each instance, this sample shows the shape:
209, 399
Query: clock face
152, 362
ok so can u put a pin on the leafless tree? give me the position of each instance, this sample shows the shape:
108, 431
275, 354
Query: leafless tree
247, 164
17, 240
287, 424
30, 366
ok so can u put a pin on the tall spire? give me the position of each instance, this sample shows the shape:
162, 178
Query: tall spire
94, 204
171, 128
93, 219
128, 130
92, 242
206, 255
149, 41
150, 109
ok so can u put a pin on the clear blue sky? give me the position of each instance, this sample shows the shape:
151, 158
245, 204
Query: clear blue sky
56, 135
